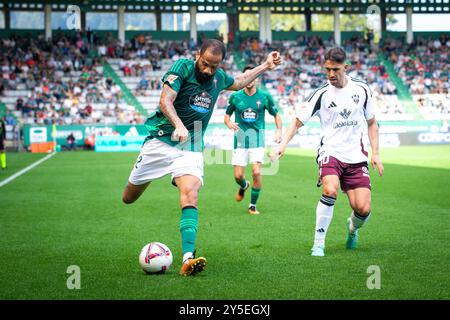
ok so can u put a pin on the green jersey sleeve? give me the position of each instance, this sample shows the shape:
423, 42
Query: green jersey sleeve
225, 80
176, 74
231, 106
270, 106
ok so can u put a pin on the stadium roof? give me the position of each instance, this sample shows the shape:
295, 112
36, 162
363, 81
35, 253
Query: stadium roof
233, 6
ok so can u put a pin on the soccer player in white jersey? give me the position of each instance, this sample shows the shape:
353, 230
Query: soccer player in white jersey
344, 106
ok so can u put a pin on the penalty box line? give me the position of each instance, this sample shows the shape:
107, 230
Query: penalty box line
21, 172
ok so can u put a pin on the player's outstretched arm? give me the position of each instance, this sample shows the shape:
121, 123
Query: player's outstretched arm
242, 80
168, 96
290, 133
372, 131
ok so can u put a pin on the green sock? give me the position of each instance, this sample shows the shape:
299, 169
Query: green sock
188, 228
3, 159
242, 183
255, 195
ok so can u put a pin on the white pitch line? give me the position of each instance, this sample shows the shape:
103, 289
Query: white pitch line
21, 172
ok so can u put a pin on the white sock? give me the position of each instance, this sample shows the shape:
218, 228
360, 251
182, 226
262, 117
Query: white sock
324, 214
357, 221
187, 255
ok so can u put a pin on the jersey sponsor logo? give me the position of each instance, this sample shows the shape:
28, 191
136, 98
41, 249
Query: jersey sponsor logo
355, 98
351, 123
345, 113
332, 105
171, 78
249, 115
201, 102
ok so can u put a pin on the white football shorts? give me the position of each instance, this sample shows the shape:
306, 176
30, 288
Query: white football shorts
158, 159
242, 156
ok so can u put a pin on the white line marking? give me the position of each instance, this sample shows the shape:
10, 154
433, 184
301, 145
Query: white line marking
21, 172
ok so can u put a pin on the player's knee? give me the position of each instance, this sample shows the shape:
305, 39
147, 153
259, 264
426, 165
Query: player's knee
256, 174
189, 198
127, 200
330, 192
363, 209
238, 177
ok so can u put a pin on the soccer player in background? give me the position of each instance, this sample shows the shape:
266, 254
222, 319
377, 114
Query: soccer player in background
175, 141
249, 106
2, 143
344, 106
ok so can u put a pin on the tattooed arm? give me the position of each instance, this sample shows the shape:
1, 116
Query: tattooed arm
242, 80
166, 100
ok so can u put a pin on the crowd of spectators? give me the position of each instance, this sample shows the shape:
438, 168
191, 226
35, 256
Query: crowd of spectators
422, 65
63, 80
302, 72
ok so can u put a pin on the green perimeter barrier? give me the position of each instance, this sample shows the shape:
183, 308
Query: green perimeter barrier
43, 133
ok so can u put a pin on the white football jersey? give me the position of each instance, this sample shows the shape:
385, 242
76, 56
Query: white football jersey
343, 117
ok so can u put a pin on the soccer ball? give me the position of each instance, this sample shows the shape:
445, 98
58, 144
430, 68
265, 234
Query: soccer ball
155, 257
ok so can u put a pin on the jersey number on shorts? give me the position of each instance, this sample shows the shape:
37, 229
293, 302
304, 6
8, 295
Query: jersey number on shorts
325, 160
138, 160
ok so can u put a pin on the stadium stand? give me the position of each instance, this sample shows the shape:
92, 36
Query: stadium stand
60, 82
93, 77
423, 66
301, 72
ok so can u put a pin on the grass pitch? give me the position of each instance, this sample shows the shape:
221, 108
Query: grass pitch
68, 211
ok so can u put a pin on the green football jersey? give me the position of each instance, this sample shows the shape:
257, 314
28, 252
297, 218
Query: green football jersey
194, 104
249, 114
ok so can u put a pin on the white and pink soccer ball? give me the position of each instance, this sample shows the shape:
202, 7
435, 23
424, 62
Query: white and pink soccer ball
155, 257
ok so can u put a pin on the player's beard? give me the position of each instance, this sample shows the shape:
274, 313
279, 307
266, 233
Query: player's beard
200, 76
250, 86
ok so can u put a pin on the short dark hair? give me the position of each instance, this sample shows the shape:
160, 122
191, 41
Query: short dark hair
336, 54
248, 67
216, 46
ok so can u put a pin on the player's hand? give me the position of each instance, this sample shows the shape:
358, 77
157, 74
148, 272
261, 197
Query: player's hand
273, 60
233, 126
376, 162
278, 136
277, 152
180, 134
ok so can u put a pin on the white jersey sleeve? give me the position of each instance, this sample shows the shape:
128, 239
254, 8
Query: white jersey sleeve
312, 105
368, 111
368, 103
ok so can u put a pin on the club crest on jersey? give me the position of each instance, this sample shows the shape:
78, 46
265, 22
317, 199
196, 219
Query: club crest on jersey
249, 115
345, 113
171, 78
201, 102
355, 98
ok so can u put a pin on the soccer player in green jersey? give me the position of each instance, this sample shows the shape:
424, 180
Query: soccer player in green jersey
175, 141
249, 106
